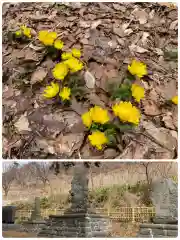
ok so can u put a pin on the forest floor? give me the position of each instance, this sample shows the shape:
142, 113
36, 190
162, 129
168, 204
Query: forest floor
109, 35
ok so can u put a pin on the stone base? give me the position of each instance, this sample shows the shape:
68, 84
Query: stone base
165, 220
151, 230
33, 226
76, 225
11, 227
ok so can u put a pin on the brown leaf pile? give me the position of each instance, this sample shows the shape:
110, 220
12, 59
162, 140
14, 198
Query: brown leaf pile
110, 35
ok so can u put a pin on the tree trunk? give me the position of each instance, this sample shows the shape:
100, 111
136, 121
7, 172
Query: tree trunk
6, 190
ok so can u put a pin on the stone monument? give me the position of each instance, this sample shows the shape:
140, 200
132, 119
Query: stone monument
36, 222
164, 196
79, 220
36, 213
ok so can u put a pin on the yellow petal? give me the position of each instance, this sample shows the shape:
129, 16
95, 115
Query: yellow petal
86, 118
76, 52
58, 44
175, 100
66, 56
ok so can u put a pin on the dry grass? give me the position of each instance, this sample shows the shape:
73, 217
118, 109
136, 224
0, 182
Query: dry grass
120, 229
15, 234
124, 174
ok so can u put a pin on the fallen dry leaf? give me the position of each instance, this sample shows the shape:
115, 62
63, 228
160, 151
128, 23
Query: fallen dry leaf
39, 75
140, 15
109, 35
67, 144
168, 121
135, 48
150, 107
22, 124
95, 24
89, 79
78, 107
161, 135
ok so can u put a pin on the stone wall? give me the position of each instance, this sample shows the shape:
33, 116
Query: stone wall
76, 225
151, 230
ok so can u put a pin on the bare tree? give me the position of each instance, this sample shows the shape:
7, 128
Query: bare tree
41, 171
164, 169
91, 177
23, 175
146, 166
8, 176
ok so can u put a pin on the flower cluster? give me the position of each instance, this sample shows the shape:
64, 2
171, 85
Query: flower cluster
70, 64
126, 112
24, 31
100, 116
53, 89
50, 39
96, 115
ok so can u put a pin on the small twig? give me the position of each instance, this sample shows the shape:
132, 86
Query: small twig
152, 139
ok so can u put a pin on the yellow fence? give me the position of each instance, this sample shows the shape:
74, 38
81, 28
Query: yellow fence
124, 214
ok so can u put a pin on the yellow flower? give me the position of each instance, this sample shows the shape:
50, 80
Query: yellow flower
51, 90
47, 38
65, 93
58, 44
66, 56
74, 64
18, 33
86, 118
97, 139
26, 31
137, 68
137, 92
60, 71
99, 115
76, 52
126, 112
175, 100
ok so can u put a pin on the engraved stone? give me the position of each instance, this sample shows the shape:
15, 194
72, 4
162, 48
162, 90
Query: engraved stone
164, 196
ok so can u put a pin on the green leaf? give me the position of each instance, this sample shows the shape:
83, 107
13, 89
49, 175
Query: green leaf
171, 55
123, 92
130, 77
75, 80
111, 131
94, 127
128, 81
110, 134
125, 127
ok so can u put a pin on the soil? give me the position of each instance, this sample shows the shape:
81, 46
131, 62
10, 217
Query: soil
109, 35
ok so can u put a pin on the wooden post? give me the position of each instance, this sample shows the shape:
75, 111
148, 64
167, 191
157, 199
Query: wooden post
133, 214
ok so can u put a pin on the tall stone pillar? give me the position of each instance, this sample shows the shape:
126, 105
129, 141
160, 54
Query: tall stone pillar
164, 196
78, 220
36, 213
